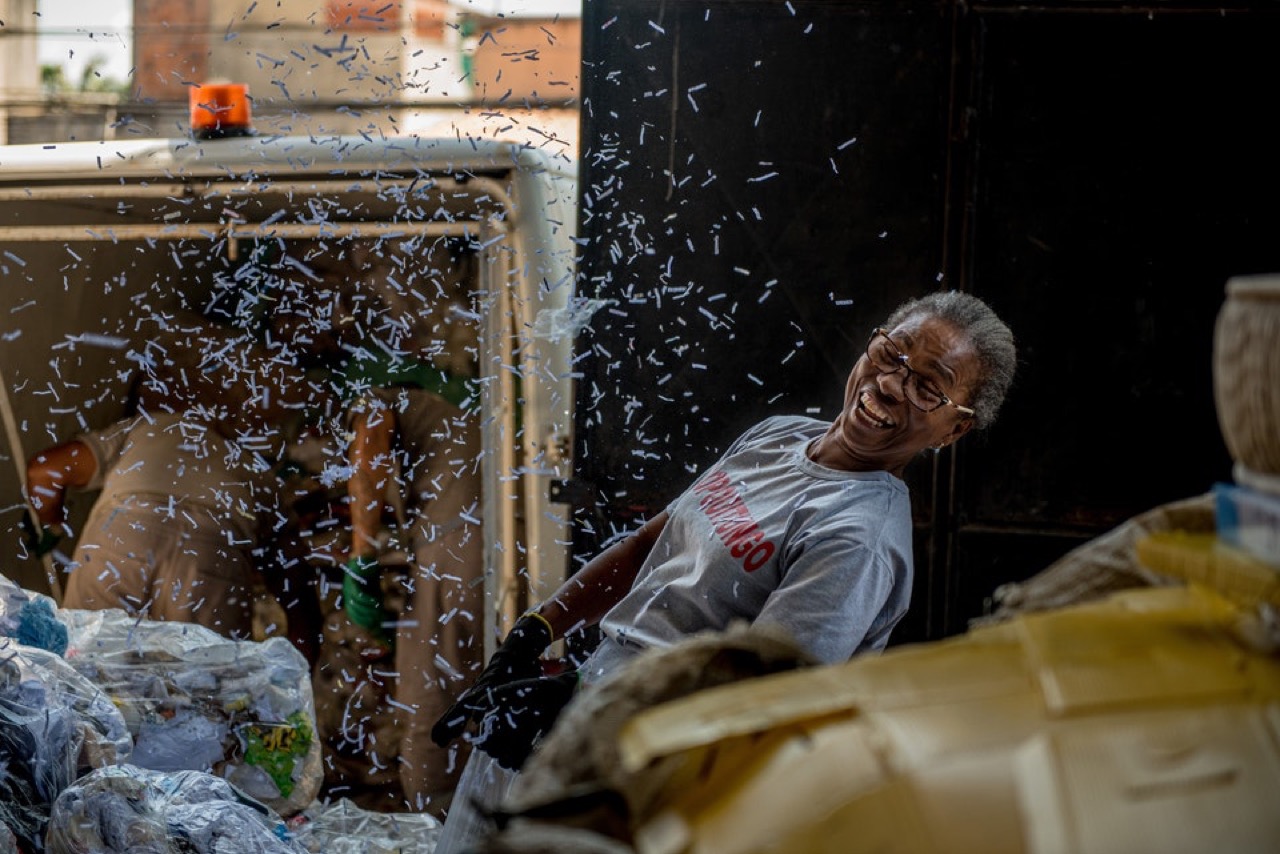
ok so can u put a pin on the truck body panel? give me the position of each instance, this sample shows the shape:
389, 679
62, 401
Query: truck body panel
102, 242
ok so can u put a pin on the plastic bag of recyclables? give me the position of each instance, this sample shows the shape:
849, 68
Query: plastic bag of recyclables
342, 827
31, 619
128, 809
123, 809
197, 701
54, 726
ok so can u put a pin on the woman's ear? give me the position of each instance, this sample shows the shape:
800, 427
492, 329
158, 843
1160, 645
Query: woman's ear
961, 427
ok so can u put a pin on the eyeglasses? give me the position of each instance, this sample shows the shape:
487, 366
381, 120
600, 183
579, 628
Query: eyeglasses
887, 358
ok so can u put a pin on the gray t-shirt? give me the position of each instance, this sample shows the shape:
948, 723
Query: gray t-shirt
769, 536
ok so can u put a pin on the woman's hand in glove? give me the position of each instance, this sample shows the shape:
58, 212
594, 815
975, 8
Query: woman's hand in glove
518, 658
522, 712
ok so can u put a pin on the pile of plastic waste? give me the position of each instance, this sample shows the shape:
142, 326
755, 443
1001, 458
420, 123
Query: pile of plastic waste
126, 735
126, 808
341, 827
54, 725
196, 701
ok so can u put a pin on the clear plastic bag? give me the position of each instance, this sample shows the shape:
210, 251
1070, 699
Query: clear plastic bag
130, 810
195, 700
30, 618
107, 740
484, 784
54, 724
341, 827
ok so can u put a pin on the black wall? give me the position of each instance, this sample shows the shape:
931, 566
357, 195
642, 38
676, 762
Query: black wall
763, 181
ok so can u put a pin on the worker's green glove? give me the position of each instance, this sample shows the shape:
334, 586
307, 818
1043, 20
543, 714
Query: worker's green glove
362, 599
43, 540
519, 657
522, 713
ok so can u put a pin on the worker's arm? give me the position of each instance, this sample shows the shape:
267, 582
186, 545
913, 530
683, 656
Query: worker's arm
586, 597
52, 472
581, 601
371, 469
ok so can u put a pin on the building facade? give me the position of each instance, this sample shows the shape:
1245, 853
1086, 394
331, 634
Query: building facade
322, 67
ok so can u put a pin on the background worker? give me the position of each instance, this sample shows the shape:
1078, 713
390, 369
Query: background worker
396, 338
415, 448
803, 525
189, 497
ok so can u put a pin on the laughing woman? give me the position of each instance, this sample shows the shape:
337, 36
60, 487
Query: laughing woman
803, 525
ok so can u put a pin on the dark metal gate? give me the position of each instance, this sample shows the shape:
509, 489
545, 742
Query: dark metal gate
763, 181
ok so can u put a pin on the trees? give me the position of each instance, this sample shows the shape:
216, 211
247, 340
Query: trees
54, 80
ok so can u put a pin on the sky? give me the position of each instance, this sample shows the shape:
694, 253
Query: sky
74, 31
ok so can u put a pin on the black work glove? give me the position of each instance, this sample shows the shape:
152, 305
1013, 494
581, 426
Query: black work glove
522, 713
519, 657
41, 541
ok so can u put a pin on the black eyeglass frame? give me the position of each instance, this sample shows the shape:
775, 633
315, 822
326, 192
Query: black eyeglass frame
901, 361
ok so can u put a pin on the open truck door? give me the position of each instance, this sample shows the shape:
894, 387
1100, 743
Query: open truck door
102, 241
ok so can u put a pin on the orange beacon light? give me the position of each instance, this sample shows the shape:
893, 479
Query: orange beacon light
220, 110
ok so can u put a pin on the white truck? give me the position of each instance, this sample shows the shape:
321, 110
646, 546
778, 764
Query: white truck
96, 235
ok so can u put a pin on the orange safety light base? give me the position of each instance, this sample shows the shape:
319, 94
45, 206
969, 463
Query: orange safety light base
220, 110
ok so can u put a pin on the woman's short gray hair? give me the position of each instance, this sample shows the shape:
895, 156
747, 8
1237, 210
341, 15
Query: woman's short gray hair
990, 336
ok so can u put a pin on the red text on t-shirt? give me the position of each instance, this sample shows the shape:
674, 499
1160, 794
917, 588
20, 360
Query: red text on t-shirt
732, 521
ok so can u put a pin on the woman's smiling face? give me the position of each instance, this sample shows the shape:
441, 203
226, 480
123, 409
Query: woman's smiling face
879, 428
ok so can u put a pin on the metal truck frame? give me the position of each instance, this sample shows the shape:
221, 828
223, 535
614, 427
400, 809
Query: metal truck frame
88, 229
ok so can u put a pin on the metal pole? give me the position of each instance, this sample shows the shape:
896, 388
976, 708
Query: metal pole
211, 189
217, 230
20, 463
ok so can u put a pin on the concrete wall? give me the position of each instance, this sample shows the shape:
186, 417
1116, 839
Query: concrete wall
19, 68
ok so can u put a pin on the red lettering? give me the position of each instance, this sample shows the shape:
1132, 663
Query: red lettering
731, 514
758, 556
734, 533
712, 502
715, 481
745, 543
732, 521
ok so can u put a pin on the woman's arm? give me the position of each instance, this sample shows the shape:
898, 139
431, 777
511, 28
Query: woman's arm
580, 601
586, 597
